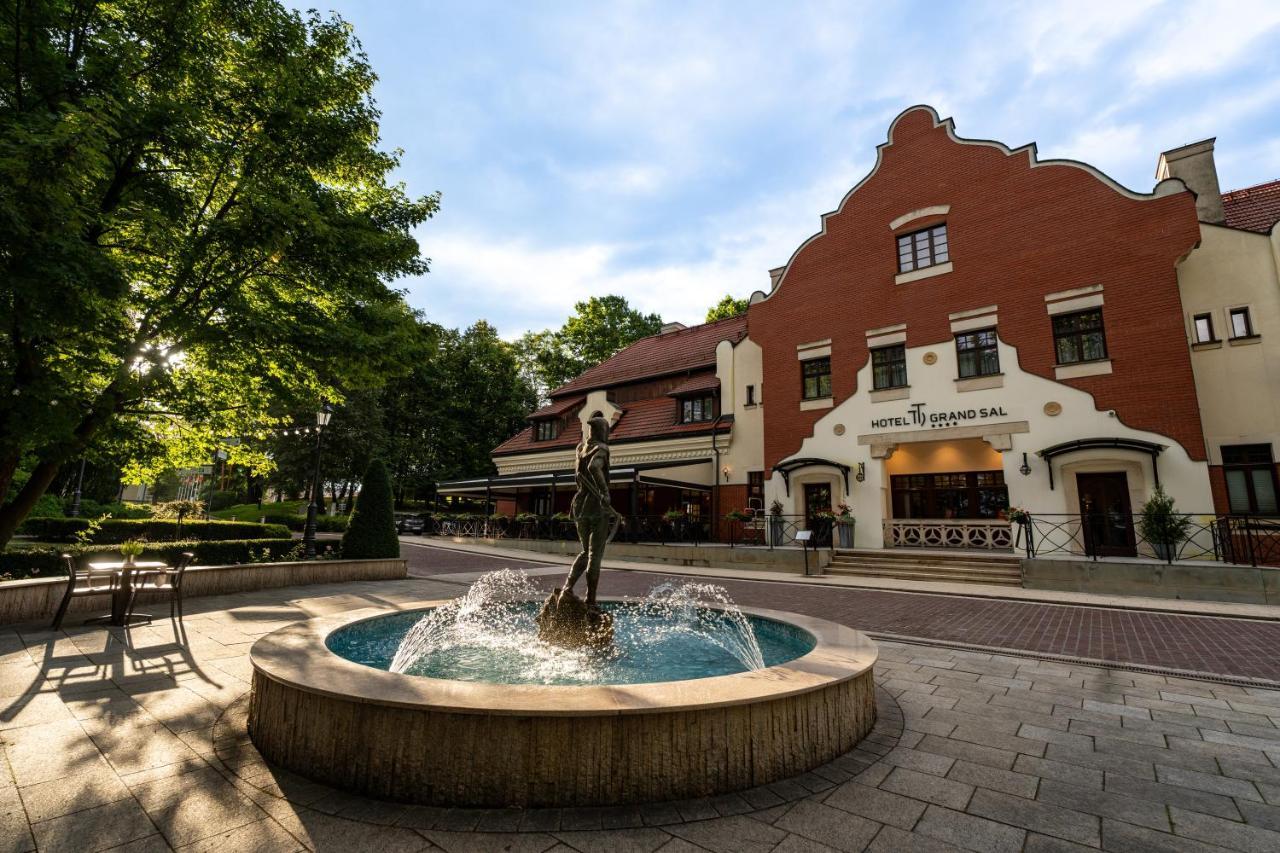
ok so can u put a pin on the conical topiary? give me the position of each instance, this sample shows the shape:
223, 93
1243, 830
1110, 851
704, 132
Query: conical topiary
371, 534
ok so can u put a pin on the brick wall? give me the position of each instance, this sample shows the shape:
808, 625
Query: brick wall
1016, 233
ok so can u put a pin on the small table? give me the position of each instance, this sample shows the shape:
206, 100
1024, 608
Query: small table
123, 591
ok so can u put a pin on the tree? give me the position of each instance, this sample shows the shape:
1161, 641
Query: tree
196, 230
371, 534
596, 330
726, 308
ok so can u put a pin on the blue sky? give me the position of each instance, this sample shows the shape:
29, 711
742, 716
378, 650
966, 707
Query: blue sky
673, 152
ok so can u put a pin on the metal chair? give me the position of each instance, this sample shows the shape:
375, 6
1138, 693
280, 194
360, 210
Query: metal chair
164, 579
83, 582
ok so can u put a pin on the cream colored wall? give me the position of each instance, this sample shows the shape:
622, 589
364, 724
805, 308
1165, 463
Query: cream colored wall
740, 366
1022, 397
1238, 383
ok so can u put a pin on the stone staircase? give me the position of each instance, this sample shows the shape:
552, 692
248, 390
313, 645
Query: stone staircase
939, 566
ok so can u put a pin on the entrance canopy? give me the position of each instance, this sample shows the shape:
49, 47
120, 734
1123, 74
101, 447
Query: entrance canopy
1150, 448
507, 485
785, 469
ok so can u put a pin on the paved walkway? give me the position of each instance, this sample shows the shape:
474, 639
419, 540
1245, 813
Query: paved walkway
142, 748
1245, 648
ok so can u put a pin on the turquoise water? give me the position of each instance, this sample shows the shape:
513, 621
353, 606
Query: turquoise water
498, 643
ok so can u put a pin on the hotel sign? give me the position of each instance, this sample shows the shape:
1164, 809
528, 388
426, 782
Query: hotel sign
919, 415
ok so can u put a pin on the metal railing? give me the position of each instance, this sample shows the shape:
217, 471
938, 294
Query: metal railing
1241, 539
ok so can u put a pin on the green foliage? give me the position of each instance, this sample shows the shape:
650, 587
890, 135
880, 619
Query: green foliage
49, 506
372, 531
222, 499
197, 232
180, 509
115, 530
727, 307
1160, 523
278, 513
17, 563
596, 330
93, 509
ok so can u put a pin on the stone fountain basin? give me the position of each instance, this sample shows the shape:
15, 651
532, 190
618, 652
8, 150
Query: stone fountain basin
461, 743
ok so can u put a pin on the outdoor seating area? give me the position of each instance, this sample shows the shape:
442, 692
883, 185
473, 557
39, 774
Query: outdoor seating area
124, 580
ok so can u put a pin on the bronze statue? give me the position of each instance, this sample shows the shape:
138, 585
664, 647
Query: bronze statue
565, 619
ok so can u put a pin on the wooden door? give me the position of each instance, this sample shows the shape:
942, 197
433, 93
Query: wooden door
1106, 515
817, 496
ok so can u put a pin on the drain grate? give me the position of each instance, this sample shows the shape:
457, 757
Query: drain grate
1217, 678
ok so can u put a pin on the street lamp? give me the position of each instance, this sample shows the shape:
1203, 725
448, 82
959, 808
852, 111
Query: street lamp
309, 534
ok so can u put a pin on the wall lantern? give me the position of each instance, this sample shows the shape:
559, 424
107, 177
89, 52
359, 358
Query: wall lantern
1026, 466
725, 472
861, 476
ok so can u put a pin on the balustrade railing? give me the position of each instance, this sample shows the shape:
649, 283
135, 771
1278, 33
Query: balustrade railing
978, 533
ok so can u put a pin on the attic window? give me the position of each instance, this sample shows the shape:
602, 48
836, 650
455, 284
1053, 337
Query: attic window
697, 409
925, 248
546, 430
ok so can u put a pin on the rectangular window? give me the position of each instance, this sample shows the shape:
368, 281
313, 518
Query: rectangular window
969, 494
1079, 337
755, 490
889, 367
978, 353
922, 249
697, 409
815, 378
1241, 324
547, 430
1251, 479
1204, 328
751, 395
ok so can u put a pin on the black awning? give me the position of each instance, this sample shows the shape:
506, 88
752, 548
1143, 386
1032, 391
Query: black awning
1135, 444
785, 469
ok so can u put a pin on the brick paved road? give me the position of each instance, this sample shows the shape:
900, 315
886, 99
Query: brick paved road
1205, 644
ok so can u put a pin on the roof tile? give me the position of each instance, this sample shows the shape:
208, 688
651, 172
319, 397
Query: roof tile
660, 355
1253, 208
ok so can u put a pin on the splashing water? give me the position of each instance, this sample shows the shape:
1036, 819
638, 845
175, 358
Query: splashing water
490, 634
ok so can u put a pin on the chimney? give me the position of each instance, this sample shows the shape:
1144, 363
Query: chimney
1193, 164
774, 275
671, 327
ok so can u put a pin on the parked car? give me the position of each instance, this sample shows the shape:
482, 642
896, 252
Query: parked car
411, 525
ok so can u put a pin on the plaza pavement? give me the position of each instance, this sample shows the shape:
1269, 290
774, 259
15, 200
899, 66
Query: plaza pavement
141, 747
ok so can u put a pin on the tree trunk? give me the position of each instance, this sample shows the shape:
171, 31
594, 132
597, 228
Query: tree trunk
15, 512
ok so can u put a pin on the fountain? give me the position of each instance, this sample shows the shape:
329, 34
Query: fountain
511, 697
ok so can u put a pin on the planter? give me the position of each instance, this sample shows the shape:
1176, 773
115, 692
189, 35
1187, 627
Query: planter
844, 533
1165, 550
775, 529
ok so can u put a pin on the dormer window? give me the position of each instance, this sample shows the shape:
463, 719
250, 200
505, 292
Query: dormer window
697, 409
546, 430
924, 248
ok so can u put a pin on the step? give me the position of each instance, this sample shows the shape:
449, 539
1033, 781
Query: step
941, 576
929, 556
916, 570
877, 561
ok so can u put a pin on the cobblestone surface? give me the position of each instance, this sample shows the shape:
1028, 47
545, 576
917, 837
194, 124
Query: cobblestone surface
141, 746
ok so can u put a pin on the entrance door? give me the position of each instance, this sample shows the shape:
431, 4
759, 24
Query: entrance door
1106, 514
817, 497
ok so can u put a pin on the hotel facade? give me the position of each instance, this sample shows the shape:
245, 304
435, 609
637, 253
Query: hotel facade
971, 329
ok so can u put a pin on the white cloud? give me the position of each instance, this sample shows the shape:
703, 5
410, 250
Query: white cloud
1205, 38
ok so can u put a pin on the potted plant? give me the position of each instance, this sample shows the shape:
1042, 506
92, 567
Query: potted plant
737, 515
844, 525
1162, 526
776, 521
130, 551
1018, 515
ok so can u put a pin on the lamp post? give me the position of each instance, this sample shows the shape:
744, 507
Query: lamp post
75, 505
309, 535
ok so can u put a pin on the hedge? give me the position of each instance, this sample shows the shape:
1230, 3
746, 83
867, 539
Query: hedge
47, 562
113, 531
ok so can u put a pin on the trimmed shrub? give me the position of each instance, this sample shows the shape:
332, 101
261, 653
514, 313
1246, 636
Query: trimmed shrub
19, 563
113, 531
221, 500
47, 506
372, 531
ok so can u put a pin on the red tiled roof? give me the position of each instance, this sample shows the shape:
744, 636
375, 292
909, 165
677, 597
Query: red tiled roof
694, 384
641, 419
660, 355
1253, 208
558, 407
655, 418
523, 441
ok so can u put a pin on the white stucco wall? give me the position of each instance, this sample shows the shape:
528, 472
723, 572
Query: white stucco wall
1238, 383
740, 366
1016, 422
